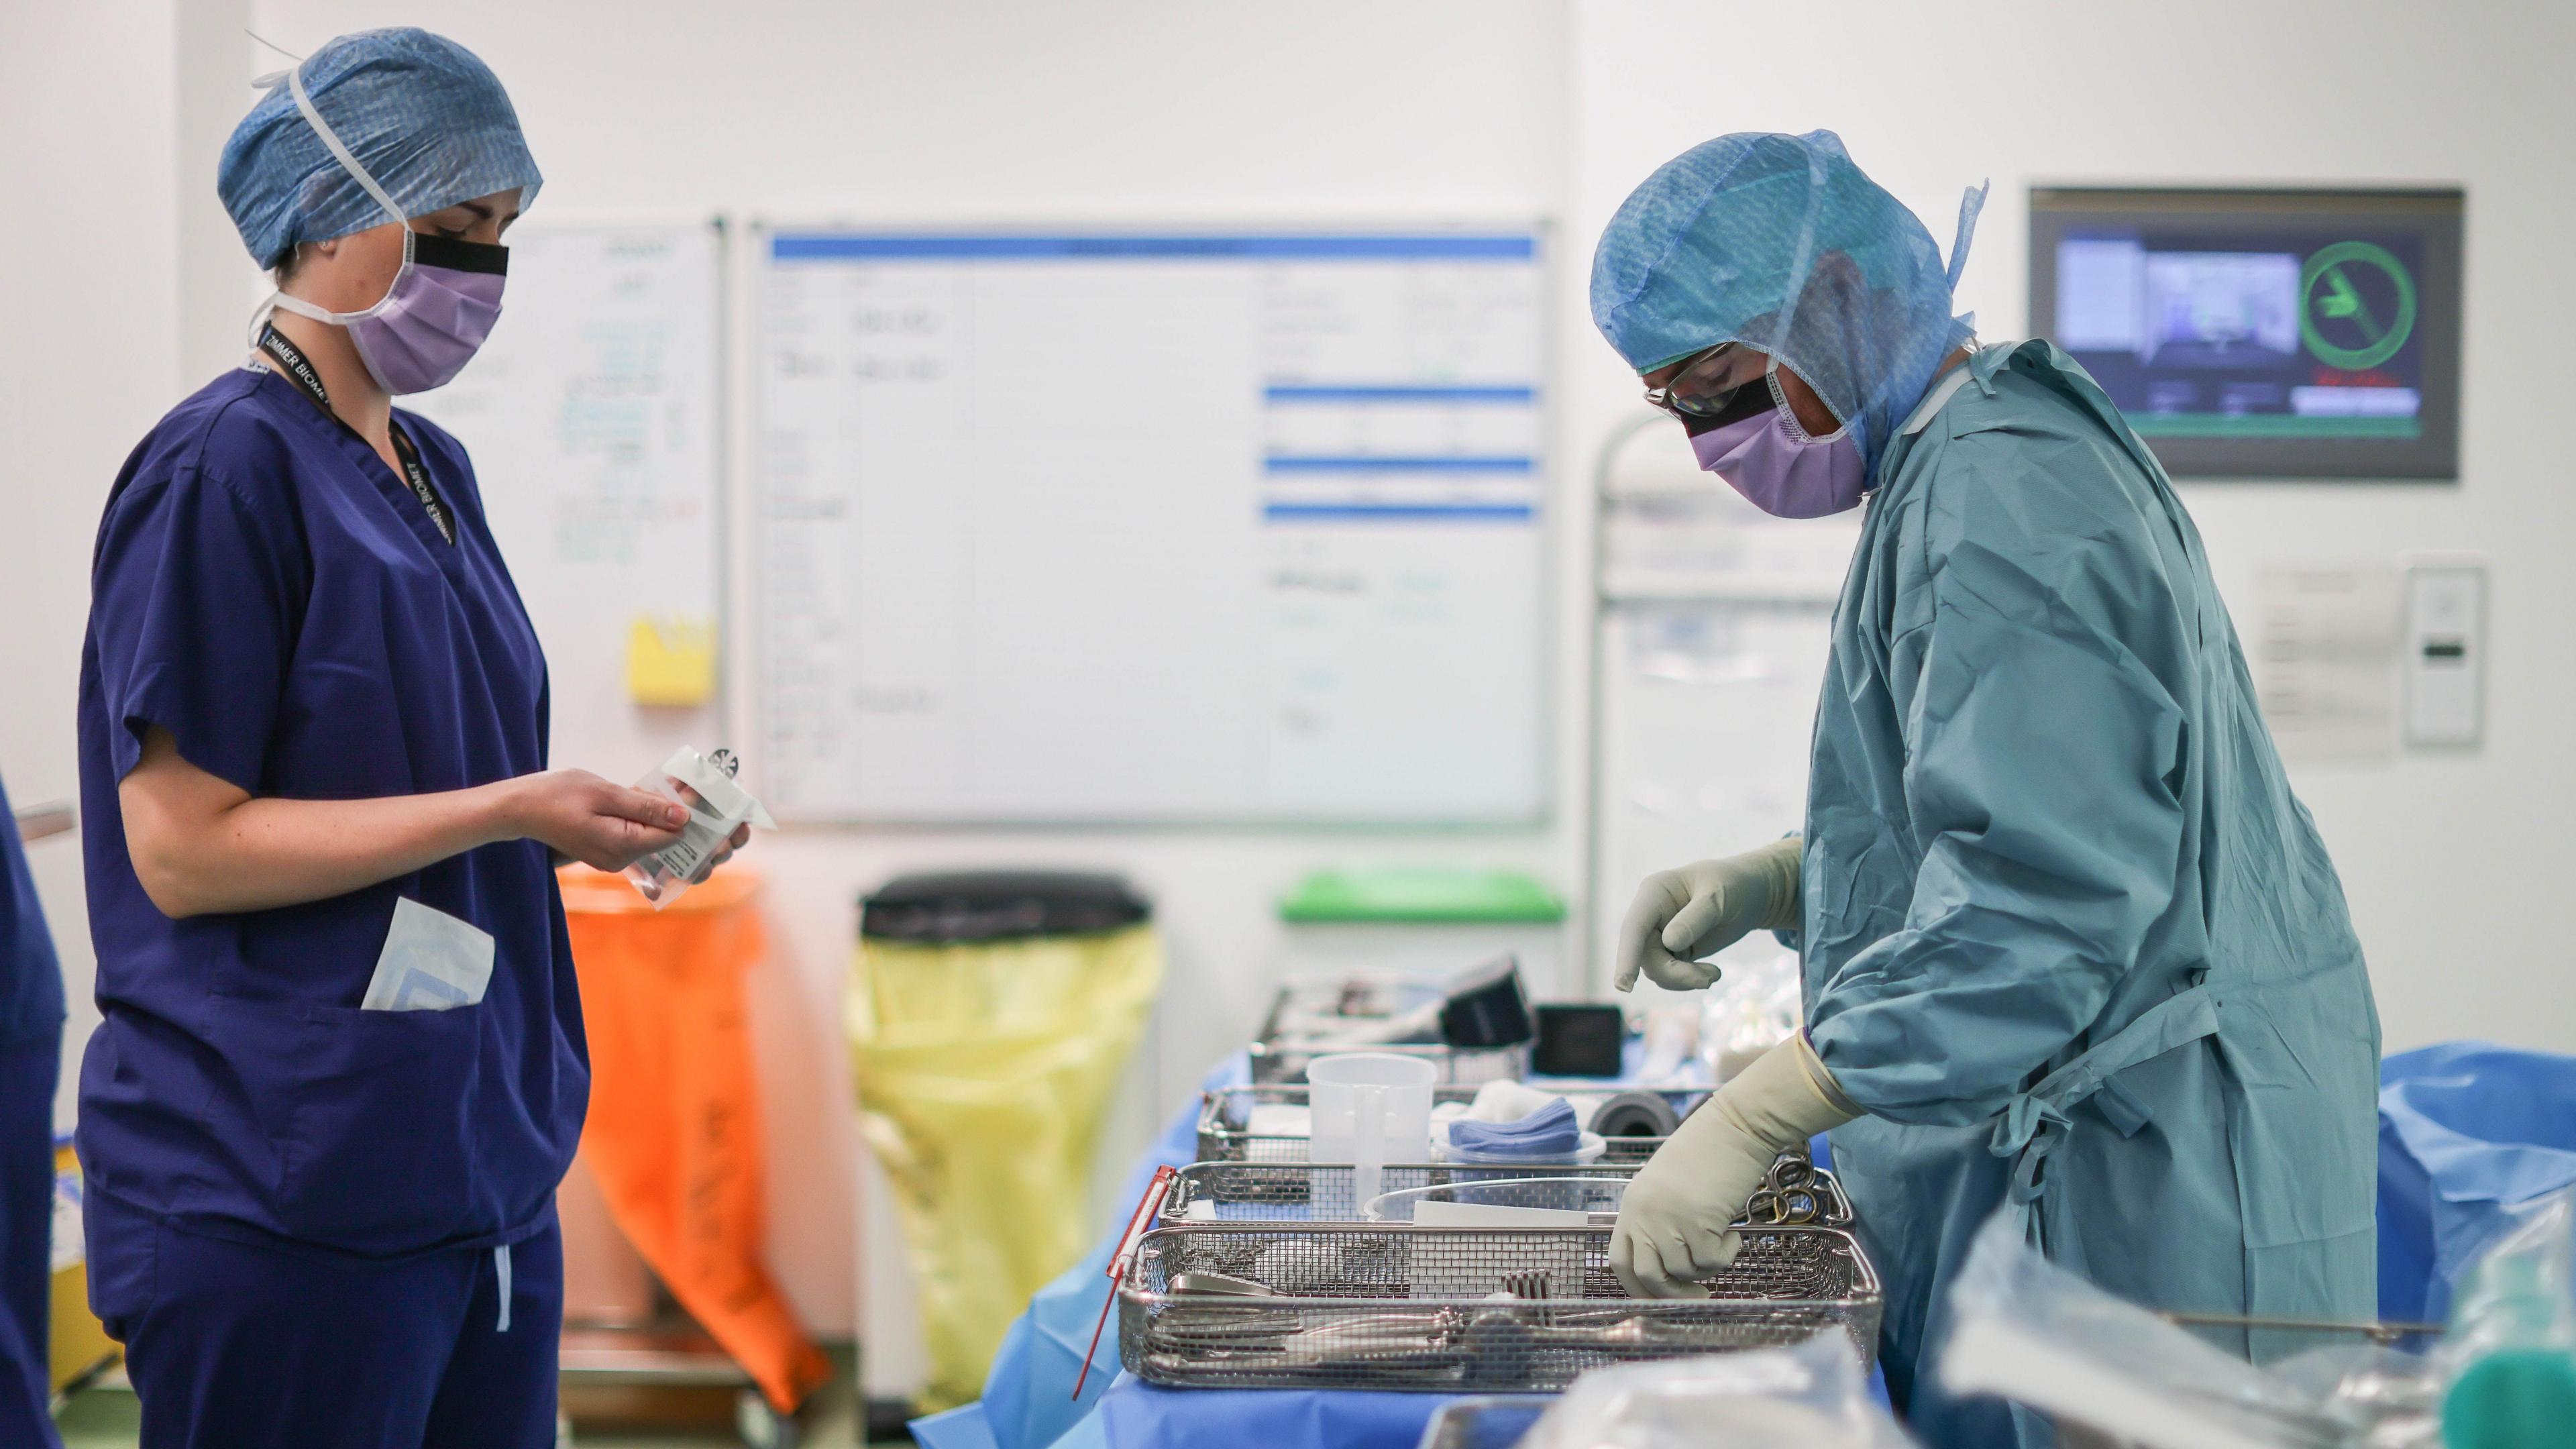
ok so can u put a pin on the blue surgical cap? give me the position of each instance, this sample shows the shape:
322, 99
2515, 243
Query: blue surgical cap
1782, 244
426, 118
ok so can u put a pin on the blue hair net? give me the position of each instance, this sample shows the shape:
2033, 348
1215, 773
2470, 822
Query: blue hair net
426, 118
1782, 244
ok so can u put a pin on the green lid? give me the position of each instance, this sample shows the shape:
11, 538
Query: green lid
1421, 895
2514, 1398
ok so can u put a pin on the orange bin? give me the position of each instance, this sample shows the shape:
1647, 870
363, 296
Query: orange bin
674, 1131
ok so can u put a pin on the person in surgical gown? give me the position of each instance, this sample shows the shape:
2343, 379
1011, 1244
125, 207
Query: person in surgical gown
2071, 948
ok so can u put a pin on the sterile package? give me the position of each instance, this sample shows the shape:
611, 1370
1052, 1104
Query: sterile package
1813, 1395
1748, 1012
2509, 1359
2026, 1329
717, 808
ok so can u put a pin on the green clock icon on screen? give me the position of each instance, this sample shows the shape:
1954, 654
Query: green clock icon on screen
2356, 304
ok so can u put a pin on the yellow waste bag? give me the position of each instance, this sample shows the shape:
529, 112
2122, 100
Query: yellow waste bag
983, 1071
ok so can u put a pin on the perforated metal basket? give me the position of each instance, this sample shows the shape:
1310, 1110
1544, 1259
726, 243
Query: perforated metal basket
1226, 1128
1595, 1195
1396, 1306
1313, 1191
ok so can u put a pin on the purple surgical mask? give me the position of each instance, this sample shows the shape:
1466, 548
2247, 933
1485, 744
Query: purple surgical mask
442, 303
1778, 468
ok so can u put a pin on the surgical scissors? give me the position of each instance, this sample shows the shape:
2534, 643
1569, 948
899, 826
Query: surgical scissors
1793, 1192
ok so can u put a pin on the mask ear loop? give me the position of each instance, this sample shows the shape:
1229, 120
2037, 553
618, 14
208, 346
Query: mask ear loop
1789, 423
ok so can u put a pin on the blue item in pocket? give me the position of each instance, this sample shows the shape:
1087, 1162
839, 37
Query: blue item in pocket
1548, 1132
2470, 1134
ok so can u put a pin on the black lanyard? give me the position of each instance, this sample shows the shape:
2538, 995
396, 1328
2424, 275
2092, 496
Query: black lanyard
299, 369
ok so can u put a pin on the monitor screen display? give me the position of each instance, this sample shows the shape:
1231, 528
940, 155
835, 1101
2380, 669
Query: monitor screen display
2262, 334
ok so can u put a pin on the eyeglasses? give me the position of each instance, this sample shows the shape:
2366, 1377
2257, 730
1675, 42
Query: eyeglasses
1707, 384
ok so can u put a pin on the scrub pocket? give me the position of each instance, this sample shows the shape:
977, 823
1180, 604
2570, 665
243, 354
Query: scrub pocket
372, 1114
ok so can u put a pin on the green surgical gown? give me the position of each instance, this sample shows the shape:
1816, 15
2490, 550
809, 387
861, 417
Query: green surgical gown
2067, 935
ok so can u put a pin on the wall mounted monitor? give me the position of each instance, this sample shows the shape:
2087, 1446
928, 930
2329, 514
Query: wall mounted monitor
2262, 334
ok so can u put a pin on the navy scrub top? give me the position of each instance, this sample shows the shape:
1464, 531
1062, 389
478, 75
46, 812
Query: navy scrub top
31, 980
266, 590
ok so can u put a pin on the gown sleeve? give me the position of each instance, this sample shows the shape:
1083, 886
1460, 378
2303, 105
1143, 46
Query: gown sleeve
2044, 760
192, 614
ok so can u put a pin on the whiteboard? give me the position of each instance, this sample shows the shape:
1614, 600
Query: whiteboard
1095, 527
594, 416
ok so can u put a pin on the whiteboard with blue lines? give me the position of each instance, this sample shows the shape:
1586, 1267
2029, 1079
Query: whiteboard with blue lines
1090, 527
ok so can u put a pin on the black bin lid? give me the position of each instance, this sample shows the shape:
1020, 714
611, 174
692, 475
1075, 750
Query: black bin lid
951, 907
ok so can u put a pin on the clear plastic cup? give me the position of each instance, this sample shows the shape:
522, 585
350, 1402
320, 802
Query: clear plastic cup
1371, 1108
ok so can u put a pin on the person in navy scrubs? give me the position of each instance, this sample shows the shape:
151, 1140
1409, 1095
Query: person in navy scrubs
313, 739
31, 1044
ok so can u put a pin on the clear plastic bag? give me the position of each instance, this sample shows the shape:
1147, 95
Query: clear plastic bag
2029, 1330
717, 808
1813, 1395
2387, 1398
1748, 1012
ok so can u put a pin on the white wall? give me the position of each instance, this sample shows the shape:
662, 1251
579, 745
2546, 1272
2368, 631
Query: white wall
2453, 863
1127, 110
88, 358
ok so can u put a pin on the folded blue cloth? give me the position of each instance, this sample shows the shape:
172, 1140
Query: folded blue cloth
1548, 1132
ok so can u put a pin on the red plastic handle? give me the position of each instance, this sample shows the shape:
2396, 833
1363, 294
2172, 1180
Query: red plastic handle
1138, 1224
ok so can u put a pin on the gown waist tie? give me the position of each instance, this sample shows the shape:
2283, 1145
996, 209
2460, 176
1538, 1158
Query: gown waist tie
2036, 1121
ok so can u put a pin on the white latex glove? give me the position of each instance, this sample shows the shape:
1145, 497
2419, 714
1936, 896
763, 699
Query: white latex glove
1699, 910
1674, 1218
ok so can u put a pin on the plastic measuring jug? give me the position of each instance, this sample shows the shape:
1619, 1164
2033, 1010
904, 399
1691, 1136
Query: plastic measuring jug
1371, 1108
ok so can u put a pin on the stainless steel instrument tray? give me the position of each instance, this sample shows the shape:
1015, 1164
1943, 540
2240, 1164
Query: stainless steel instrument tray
1394, 1306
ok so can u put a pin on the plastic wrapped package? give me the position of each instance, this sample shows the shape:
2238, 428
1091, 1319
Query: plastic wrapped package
2026, 1329
1749, 1011
1814, 1395
2509, 1360
2385, 1398
717, 808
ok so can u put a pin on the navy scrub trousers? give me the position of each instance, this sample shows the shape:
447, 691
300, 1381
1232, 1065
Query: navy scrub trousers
27, 1073
31, 1044
240, 1345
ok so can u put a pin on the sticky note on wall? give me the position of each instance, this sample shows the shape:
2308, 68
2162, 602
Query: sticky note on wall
671, 662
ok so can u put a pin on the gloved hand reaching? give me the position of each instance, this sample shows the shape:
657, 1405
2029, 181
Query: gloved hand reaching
1673, 1220
1699, 910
